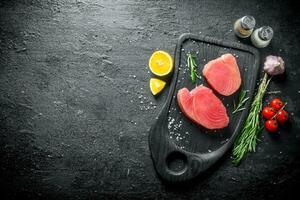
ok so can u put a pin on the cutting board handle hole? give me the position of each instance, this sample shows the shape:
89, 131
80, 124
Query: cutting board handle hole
176, 163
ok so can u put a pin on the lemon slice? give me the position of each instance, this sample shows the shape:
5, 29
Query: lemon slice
156, 85
161, 63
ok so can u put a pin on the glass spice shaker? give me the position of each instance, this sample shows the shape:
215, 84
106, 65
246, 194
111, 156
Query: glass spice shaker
244, 26
262, 36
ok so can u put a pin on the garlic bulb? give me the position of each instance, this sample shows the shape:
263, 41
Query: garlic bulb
274, 65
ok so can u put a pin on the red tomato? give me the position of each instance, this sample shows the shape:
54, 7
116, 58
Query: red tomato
268, 112
282, 116
271, 125
276, 104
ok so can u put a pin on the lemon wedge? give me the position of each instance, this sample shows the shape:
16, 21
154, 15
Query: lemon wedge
161, 63
156, 85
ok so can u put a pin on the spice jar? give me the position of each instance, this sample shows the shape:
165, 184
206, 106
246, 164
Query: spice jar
262, 36
244, 26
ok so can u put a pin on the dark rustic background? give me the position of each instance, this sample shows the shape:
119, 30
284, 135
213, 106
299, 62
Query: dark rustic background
75, 106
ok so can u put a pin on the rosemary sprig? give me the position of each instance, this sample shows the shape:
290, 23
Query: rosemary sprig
242, 101
191, 61
246, 142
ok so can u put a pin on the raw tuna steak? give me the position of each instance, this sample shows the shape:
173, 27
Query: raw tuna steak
203, 107
223, 74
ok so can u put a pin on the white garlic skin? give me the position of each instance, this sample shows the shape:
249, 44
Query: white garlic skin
274, 65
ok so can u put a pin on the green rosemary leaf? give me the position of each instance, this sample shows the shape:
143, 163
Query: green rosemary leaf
193, 76
240, 109
242, 100
246, 141
193, 58
191, 61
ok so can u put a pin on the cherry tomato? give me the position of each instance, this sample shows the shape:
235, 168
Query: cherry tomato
282, 116
276, 104
271, 125
268, 112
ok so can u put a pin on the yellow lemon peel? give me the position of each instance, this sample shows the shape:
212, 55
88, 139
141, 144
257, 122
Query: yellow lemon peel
156, 85
161, 63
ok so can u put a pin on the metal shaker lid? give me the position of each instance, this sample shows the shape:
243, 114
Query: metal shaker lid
266, 33
248, 22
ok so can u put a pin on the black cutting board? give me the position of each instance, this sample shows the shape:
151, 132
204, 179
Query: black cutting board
180, 149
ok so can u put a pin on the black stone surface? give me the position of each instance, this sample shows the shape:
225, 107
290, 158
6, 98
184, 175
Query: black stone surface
71, 122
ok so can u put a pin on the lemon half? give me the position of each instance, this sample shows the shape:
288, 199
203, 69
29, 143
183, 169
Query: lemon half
161, 63
156, 85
